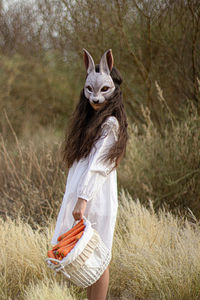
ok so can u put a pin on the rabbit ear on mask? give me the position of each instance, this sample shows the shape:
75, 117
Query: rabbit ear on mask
89, 62
106, 62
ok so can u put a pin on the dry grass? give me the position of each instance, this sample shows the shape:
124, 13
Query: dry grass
23, 251
23, 269
47, 290
155, 257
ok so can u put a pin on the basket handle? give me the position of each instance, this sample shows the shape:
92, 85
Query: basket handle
52, 259
52, 265
57, 268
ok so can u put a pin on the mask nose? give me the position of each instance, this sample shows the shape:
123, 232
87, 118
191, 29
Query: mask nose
95, 101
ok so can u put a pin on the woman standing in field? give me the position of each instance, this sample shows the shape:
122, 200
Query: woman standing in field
93, 147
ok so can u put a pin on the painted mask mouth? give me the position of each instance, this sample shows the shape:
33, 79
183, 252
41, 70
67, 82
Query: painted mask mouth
98, 104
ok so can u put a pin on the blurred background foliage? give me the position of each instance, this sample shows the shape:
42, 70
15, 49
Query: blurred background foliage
41, 41
156, 47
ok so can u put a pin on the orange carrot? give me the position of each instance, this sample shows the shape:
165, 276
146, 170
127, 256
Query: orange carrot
52, 255
67, 250
79, 229
70, 231
62, 248
79, 235
57, 256
66, 241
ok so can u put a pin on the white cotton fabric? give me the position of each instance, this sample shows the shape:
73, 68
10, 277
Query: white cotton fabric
96, 182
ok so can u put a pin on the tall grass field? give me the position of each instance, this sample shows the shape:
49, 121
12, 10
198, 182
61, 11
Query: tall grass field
155, 256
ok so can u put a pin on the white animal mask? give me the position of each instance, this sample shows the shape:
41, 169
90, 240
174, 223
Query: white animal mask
99, 86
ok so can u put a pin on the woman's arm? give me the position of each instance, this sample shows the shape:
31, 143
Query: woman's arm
97, 171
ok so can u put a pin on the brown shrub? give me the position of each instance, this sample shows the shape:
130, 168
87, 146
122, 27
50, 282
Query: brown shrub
32, 178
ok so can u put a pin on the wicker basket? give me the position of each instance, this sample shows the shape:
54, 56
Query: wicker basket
87, 261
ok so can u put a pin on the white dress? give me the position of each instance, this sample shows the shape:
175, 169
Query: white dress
92, 180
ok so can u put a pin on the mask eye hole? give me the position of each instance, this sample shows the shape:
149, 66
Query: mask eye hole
89, 88
104, 88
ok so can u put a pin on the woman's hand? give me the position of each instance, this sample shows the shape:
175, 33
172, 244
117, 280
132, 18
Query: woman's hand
79, 209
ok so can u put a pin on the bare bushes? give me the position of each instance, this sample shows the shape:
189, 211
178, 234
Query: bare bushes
165, 167
32, 179
35, 92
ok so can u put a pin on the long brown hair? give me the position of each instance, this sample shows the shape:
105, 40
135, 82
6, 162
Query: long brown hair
85, 126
